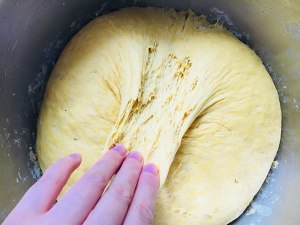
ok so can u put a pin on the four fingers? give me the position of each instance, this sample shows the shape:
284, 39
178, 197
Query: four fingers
131, 194
113, 205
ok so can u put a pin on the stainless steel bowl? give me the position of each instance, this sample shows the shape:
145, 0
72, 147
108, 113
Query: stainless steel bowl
33, 34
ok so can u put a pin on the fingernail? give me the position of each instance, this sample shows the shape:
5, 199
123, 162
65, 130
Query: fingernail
135, 155
120, 148
151, 168
75, 155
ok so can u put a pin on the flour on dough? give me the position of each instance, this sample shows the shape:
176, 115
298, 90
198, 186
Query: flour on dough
188, 95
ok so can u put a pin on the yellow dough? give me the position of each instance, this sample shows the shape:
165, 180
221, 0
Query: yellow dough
187, 94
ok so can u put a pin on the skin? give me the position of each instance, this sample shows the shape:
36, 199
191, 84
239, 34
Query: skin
129, 199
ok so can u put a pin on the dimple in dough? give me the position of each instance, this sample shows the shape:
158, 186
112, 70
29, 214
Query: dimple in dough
187, 94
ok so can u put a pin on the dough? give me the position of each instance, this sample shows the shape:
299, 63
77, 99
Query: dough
187, 94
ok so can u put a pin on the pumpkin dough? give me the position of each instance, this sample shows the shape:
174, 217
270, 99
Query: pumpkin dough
188, 95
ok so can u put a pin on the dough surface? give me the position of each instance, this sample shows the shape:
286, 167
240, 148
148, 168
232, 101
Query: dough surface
187, 94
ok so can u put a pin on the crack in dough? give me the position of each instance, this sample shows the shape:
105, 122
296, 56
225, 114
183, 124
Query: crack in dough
159, 108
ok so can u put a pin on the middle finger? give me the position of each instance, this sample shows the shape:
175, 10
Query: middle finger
113, 205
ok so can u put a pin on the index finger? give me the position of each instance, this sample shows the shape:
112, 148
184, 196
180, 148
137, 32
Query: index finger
44, 192
81, 198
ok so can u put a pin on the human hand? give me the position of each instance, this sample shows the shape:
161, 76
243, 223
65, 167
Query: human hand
129, 200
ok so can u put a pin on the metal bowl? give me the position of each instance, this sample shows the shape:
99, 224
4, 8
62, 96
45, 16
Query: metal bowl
33, 34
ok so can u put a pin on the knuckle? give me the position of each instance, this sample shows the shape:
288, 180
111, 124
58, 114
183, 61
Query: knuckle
122, 194
132, 165
112, 156
96, 179
145, 213
50, 178
50, 219
150, 181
